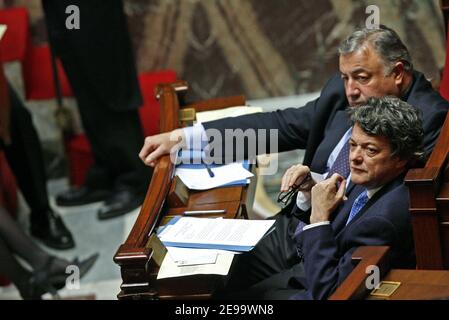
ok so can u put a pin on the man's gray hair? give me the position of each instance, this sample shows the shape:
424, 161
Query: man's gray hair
395, 120
385, 42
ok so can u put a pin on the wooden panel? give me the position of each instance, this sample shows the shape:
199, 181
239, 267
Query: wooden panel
418, 285
353, 287
427, 187
218, 103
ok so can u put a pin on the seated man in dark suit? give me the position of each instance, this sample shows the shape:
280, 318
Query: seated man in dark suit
373, 63
310, 262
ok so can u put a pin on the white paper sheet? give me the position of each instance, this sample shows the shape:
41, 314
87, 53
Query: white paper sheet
199, 179
188, 256
170, 269
229, 234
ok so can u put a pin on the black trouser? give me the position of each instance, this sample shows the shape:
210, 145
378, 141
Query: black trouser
25, 157
266, 271
99, 64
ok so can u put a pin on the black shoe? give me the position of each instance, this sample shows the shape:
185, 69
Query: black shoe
50, 279
120, 203
51, 230
80, 196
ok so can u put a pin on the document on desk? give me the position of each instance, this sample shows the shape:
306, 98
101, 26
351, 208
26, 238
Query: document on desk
195, 256
189, 256
205, 116
209, 233
199, 179
170, 269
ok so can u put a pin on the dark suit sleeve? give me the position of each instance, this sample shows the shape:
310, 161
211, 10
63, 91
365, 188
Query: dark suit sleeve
292, 125
432, 106
327, 265
295, 126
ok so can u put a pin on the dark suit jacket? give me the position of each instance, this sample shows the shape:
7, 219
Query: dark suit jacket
98, 57
327, 249
304, 128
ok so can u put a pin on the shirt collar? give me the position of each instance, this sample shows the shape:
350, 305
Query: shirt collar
372, 192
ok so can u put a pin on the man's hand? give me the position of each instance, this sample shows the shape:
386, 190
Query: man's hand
158, 145
294, 175
326, 197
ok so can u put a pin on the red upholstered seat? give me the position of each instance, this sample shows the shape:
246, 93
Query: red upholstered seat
14, 44
78, 147
80, 158
149, 112
38, 75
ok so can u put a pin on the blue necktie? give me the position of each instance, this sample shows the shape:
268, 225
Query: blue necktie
341, 163
358, 204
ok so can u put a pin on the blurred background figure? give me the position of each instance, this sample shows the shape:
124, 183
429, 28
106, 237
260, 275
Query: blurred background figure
99, 64
19, 140
48, 272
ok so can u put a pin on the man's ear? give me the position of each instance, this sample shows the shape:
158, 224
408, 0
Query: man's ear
401, 163
398, 73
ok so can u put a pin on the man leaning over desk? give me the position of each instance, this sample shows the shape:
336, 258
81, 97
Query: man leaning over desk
373, 63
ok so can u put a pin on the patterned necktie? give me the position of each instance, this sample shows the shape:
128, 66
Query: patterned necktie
341, 163
358, 204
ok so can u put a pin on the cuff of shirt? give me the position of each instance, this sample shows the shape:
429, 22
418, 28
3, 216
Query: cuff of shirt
196, 138
313, 225
303, 200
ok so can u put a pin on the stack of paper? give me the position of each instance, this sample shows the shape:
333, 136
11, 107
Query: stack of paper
209, 233
196, 176
206, 245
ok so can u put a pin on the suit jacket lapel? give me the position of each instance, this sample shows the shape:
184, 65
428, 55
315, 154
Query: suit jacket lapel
340, 223
338, 127
340, 216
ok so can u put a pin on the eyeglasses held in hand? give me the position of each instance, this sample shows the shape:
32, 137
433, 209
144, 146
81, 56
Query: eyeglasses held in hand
284, 197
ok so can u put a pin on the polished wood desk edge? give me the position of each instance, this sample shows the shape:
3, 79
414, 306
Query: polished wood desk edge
353, 287
157, 190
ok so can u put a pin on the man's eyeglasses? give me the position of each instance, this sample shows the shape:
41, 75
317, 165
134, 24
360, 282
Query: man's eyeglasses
285, 196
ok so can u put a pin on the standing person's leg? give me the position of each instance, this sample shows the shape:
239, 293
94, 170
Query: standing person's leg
48, 272
122, 140
25, 157
104, 80
13, 270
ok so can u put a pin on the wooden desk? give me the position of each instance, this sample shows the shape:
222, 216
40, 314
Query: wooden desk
417, 285
136, 258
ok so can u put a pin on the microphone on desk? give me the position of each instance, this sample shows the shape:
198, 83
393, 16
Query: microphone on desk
209, 170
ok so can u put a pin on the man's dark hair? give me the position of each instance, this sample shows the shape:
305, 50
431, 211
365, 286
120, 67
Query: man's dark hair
395, 120
386, 43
